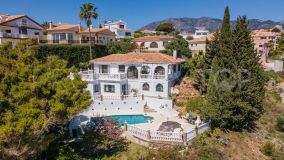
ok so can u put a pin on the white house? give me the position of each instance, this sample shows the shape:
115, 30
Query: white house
13, 28
153, 43
75, 34
200, 32
198, 45
119, 28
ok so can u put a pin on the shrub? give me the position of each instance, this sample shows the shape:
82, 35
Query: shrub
76, 55
196, 104
268, 149
280, 124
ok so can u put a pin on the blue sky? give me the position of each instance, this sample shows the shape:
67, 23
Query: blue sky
141, 12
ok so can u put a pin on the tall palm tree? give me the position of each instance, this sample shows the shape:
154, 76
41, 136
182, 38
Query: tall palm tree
87, 13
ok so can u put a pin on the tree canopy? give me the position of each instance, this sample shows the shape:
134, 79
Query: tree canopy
37, 99
165, 27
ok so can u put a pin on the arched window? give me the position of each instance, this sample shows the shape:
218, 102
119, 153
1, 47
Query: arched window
132, 72
145, 87
154, 45
159, 70
159, 88
142, 44
145, 70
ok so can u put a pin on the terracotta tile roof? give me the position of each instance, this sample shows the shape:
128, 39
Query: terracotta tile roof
6, 18
63, 27
139, 58
103, 31
202, 39
154, 38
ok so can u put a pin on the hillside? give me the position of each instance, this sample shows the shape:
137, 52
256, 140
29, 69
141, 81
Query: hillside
188, 24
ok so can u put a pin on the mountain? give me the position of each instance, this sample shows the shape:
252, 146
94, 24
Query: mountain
189, 24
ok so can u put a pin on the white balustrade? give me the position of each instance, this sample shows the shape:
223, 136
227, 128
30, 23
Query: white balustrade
159, 77
165, 136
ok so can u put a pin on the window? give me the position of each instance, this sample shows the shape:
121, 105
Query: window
145, 70
127, 33
159, 88
104, 69
191, 45
96, 88
121, 26
109, 88
179, 67
145, 87
121, 68
165, 44
36, 33
154, 45
159, 70
174, 68
8, 31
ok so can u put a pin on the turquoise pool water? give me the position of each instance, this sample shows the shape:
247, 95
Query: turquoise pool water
131, 119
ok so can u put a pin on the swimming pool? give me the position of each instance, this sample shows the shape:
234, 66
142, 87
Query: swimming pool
131, 119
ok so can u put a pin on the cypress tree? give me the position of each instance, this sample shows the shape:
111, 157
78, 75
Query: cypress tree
223, 80
236, 83
250, 87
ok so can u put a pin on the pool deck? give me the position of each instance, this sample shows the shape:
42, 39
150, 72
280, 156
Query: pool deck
158, 119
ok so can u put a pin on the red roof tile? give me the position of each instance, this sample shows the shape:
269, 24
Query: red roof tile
139, 58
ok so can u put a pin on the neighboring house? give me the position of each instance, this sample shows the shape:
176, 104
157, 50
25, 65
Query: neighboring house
153, 43
264, 37
99, 35
119, 28
268, 65
200, 32
17, 27
75, 34
198, 45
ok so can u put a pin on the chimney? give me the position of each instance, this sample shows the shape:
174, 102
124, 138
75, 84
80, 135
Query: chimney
91, 27
175, 54
79, 27
50, 25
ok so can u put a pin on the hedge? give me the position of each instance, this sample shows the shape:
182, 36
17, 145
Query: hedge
76, 55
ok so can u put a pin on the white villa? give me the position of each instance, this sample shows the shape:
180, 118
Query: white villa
153, 43
137, 85
13, 28
119, 28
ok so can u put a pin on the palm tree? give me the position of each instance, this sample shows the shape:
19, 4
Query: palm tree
88, 11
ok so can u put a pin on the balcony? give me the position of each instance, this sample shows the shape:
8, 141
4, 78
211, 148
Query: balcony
89, 76
106, 76
13, 35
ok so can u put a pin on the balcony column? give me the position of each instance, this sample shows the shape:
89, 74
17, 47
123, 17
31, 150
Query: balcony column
139, 72
166, 71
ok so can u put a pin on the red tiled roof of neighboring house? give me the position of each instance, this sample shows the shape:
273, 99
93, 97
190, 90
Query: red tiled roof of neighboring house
64, 27
139, 58
154, 38
8, 18
103, 31
209, 37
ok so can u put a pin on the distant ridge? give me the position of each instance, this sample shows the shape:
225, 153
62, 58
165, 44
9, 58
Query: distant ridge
188, 24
